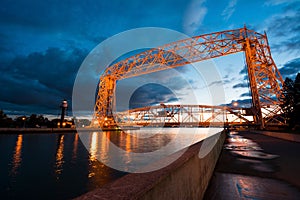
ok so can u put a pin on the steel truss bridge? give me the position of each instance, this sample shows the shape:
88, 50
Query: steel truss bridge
185, 115
264, 79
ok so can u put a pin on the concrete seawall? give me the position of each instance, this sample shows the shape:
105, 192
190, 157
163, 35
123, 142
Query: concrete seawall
186, 178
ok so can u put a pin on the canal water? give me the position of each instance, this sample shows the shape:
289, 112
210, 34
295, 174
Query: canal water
60, 166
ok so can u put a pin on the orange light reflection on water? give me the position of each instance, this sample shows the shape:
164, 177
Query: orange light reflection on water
104, 148
17, 159
128, 143
75, 147
94, 146
93, 154
59, 156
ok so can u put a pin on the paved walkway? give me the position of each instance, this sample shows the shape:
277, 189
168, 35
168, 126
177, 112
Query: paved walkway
256, 166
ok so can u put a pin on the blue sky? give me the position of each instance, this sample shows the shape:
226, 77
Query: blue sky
43, 43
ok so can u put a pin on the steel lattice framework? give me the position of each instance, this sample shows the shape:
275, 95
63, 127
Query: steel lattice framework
264, 77
184, 115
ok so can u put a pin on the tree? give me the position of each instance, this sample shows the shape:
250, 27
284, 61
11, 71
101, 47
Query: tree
287, 101
4, 120
290, 101
296, 114
33, 121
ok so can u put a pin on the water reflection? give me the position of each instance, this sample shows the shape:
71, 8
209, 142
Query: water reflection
246, 148
17, 156
59, 166
94, 146
51, 166
104, 147
59, 158
75, 147
130, 150
93, 154
141, 141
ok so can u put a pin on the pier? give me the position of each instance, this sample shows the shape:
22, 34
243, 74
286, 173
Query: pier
273, 174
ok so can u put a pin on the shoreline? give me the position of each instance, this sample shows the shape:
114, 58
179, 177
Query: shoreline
58, 130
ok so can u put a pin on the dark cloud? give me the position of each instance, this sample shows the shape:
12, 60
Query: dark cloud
56, 15
291, 68
244, 73
151, 94
285, 28
17, 109
228, 79
171, 79
247, 94
240, 85
282, 24
36, 25
174, 78
246, 77
244, 70
40, 80
289, 45
216, 83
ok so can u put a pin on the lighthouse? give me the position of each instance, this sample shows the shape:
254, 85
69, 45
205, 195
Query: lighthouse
63, 106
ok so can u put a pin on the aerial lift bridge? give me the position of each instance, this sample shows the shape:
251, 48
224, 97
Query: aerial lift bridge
265, 81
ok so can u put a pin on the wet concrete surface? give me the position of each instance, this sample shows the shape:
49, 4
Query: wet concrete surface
255, 166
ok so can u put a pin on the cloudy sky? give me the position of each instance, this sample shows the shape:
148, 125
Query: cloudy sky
43, 43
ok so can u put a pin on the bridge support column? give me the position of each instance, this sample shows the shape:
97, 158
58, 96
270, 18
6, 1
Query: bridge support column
104, 109
253, 68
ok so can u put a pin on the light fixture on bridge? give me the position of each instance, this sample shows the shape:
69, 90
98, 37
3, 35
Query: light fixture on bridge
235, 104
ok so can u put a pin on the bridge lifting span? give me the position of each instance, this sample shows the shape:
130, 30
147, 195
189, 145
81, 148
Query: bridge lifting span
264, 78
185, 115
